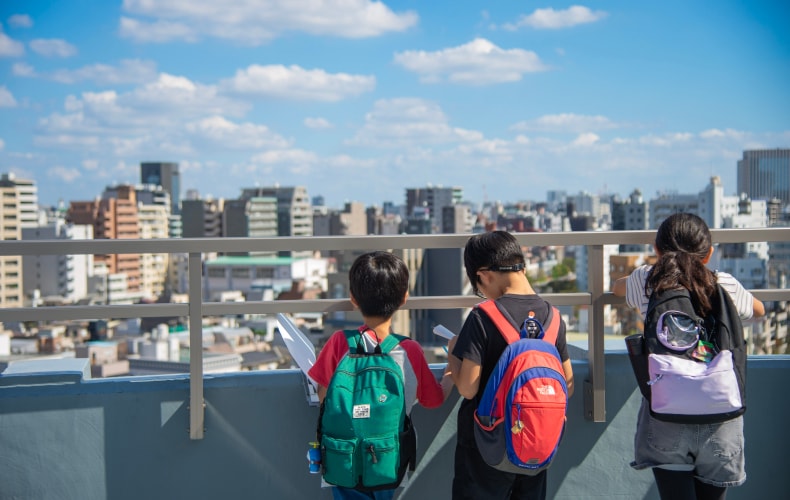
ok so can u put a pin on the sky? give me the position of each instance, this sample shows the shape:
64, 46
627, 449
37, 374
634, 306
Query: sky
358, 100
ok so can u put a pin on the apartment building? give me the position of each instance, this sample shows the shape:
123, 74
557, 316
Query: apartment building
19, 210
113, 216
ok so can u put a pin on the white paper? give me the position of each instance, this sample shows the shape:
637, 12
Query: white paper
441, 331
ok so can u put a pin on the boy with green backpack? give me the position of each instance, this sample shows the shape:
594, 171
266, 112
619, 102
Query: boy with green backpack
368, 380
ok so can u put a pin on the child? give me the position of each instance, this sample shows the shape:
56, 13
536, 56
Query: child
378, 286
702, 460
495, 266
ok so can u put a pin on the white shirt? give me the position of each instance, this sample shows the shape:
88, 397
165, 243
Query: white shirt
635, 292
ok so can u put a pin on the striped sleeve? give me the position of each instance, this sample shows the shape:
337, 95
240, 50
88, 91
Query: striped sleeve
741, 297
635, 289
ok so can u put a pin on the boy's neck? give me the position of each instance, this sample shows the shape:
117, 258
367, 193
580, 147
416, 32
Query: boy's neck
515, 284
379, 325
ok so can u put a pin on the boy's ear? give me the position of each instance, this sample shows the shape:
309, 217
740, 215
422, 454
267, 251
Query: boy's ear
353, 300
710, 254
405, 298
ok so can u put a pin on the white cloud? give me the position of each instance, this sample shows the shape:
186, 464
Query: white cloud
586, 139
156, 32
227, 134
90, 164
10, 47
53, 47
149, 120
64, 174
721, 134
296, 83
127, 71
177, 93
6, 98
23, 69
20, 21
666, 140
556, 19
255, 23
317, 123
2, 144
406, 122
566, 122
478, 62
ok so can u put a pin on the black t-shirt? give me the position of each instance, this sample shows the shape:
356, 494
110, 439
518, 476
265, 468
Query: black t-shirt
480, 341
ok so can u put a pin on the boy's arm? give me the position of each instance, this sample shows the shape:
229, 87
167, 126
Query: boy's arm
321, 393
567, 368
447, 382
465, 373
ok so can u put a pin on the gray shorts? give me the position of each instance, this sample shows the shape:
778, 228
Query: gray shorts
715, 452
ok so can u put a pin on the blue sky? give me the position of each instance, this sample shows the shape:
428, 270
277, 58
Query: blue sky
358, 100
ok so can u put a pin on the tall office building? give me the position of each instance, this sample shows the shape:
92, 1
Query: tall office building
167, 176
433, 200
19, 210
764, 174
631, 215
202, 218
294, 212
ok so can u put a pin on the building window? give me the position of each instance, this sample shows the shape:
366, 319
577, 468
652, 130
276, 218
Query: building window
264, 272
240, 272
216, 272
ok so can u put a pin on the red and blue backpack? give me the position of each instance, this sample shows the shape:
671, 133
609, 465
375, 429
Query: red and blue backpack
520, 419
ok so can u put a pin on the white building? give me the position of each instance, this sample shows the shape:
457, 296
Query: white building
153, 217
63, 276
250, 275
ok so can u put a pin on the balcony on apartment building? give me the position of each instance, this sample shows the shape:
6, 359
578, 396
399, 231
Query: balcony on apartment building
65, 435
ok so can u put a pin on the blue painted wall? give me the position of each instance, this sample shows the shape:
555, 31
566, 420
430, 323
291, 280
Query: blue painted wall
68, 438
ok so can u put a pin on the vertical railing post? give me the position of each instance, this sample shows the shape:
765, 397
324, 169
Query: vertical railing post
196, 405
595, 385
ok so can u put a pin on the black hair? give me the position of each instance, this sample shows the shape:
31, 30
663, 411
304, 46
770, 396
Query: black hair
683, 241
379, 282
495, 248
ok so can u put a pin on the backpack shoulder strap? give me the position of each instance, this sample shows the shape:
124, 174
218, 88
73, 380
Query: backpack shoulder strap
390, 342
552, 328
504, 326
353, 339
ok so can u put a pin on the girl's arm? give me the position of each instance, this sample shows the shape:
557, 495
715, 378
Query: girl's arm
758, 308
619, 286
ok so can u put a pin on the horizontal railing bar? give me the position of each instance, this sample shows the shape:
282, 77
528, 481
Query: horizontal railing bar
372, 242
56, 313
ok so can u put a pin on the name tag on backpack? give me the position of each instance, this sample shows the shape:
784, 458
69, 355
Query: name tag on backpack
361, 411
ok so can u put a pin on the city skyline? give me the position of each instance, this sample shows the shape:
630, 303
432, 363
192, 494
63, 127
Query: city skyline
361, 99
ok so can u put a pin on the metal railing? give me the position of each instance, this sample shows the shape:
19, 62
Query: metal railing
596, 296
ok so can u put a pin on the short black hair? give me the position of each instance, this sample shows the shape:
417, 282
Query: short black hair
495, 248
379, 282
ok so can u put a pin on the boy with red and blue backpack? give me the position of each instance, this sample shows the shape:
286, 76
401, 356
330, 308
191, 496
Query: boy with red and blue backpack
491, 461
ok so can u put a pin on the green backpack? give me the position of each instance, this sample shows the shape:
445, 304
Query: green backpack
367, 440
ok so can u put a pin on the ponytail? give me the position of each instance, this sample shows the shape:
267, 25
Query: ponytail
683, 242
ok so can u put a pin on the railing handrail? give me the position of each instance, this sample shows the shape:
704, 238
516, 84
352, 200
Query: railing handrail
370, 242
196, 309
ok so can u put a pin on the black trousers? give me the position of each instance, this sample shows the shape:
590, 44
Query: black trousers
682, 485
475, 480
